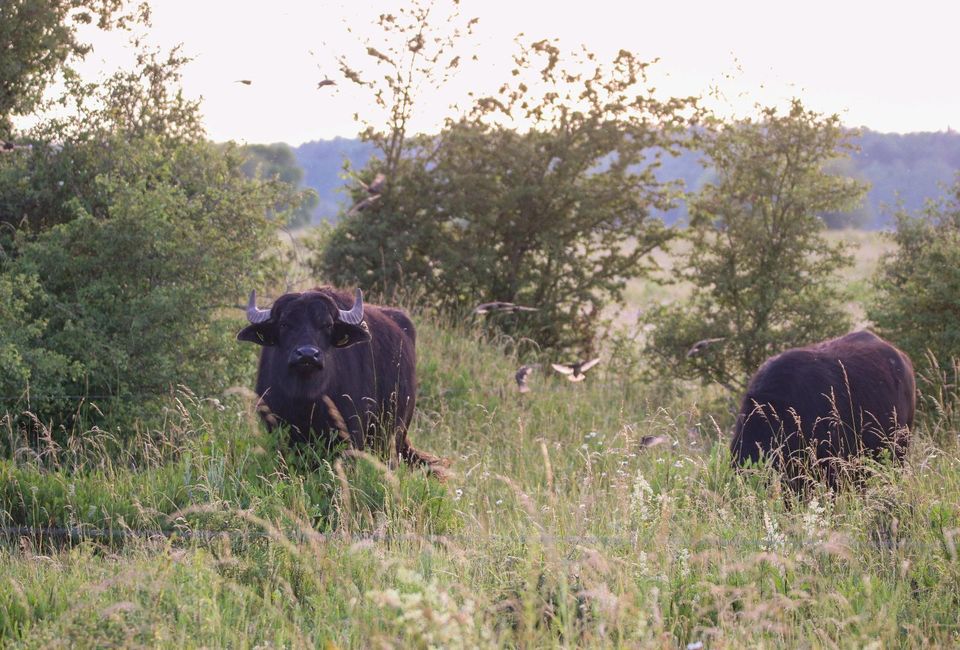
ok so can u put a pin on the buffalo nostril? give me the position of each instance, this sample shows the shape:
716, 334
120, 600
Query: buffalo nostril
307, 355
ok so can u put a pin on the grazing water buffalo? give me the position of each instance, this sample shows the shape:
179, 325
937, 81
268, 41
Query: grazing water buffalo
332, 368
811, 408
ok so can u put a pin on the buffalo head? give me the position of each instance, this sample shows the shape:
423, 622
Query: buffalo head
304, 328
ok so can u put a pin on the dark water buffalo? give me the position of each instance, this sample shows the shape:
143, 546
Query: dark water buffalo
320, 348
814, 407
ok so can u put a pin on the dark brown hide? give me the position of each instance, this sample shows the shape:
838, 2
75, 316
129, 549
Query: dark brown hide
811, 408
367, 370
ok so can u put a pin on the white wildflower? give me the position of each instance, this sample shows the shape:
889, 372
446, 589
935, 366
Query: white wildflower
773, 539
427, 614
641, 500
722, 515
683, 563
643, 568
814, 521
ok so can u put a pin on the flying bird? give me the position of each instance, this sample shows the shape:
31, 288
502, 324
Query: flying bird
7, 147
376, 185
374, 189
499, 305
326, 82
575, 371
245, 82
652, 441
360, 206
522, 374
700, 346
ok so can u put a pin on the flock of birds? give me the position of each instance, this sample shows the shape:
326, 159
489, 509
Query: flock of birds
320, 84
576, 371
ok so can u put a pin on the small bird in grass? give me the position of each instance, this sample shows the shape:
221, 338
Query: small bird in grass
245, 82
652, 441
499, 305
521, 376
700, 346
575, 371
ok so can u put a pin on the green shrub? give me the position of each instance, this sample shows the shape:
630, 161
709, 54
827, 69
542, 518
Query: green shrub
523, 200
30, 372
763, 275
135, 240
918, 288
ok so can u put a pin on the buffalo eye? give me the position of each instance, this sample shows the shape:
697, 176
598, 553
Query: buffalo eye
343, 341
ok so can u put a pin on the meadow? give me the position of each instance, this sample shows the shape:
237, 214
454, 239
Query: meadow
555, 528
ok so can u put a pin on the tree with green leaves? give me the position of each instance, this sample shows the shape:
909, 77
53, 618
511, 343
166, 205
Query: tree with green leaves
544, 194
133, 240
917, 305
763, 276
40, 41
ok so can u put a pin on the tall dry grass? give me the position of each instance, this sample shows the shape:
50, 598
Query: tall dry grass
558, 527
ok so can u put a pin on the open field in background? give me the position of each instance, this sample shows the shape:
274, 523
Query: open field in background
866, 247
556, 527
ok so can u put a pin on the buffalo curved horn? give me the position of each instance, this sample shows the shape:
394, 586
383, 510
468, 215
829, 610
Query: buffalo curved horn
254, 314
355, 315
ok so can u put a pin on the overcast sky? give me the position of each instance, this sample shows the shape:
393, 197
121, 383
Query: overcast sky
890, 66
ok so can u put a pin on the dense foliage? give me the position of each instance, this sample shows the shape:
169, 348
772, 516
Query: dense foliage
40, 39
763, 275
556, 215
129, 240
918, 288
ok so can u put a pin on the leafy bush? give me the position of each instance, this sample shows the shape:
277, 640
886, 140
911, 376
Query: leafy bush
134, 240
30, 372
918, 288
542, 197
763, 275
40, 40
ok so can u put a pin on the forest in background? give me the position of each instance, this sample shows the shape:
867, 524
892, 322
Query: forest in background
910, 168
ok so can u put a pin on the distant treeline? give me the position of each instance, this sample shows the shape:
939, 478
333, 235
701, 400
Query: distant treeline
908, 169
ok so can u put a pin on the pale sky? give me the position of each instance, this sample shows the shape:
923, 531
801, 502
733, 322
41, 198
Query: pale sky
890, 66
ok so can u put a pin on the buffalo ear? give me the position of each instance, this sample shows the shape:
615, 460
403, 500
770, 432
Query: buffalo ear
343, 335
259, 333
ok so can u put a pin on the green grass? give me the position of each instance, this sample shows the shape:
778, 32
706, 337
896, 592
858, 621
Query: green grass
555, 529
